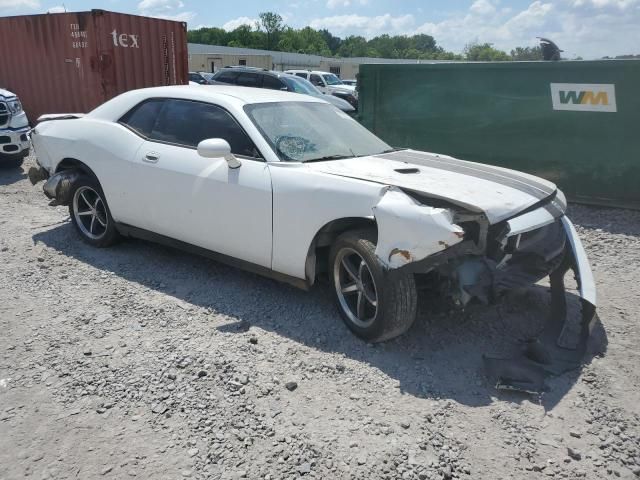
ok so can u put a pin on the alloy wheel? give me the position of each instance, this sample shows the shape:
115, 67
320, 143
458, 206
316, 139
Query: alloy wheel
355, 287
90, 212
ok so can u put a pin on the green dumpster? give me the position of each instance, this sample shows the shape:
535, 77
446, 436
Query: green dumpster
576, 123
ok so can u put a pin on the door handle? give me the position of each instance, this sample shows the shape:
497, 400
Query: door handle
151, 157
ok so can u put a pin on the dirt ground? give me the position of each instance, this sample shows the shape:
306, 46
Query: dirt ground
143, 361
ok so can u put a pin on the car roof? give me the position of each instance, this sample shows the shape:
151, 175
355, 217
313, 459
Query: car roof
218, 94
244, 94
319, 72
262, 71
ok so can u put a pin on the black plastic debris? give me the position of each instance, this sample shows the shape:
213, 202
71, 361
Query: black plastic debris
561, 347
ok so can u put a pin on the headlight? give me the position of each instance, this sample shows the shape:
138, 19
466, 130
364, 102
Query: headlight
15, 106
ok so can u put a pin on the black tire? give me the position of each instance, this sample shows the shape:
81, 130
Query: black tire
102, 232
395, 290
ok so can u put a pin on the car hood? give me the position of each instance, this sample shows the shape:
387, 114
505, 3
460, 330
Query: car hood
498, 192
6, 93
338, 102
342, 88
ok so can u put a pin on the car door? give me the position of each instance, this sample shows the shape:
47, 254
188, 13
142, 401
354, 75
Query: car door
201, 201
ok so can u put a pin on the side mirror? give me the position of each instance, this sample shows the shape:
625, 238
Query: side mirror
216, 148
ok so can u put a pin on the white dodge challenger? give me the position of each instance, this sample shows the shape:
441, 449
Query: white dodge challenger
288, 186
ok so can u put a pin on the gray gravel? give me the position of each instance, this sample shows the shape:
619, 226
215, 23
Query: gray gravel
142, 361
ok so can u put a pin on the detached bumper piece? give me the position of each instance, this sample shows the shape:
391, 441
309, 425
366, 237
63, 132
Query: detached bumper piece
58, 187
562, 345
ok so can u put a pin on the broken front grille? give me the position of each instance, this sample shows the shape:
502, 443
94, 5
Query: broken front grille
4, 114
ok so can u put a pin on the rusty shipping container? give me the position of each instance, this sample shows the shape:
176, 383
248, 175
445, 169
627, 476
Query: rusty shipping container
73, 62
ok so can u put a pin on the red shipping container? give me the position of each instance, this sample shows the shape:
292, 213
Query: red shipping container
73, 62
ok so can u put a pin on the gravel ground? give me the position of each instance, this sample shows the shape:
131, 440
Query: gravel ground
142, 361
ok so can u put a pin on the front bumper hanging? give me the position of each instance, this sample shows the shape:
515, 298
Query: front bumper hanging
562, 345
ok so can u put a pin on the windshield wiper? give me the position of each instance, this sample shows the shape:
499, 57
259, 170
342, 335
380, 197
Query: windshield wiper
328, 157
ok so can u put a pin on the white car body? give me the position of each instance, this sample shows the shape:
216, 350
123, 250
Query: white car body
318, 79
271, 215
14, 127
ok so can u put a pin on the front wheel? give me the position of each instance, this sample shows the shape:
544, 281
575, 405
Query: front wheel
376, 304
90, 213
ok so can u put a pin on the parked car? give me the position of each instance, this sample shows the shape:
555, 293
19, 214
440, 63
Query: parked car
208, 76
199, 78
329, 83
14, 130
300, 85
353, 83
251, 77
290, 187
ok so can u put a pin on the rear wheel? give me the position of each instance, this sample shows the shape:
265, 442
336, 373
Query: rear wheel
90, 213
376, 304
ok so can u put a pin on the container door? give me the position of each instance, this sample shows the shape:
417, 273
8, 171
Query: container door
139, 52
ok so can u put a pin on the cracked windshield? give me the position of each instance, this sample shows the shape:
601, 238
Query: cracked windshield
305, 131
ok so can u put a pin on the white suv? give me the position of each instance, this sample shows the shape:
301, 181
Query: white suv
14, 130
329, 83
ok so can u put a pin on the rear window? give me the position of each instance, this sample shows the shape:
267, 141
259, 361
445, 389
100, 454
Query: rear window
249, 80
143, 117
300, 74
273, 83
226, 76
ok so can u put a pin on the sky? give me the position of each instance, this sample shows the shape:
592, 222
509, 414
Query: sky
585, 28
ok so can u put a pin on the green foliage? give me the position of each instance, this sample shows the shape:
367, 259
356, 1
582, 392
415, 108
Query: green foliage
305, 40
484, 52
271, 33
272, 24
526, 53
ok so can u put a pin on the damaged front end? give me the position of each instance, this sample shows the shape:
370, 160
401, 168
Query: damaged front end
479, 261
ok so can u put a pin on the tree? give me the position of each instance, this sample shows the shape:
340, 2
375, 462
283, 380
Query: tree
332, 42
271, 33
353, 46
526, 53
272, 24
209, 36
484, 52
306, 40
424, 43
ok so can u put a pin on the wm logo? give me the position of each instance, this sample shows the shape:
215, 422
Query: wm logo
583, 97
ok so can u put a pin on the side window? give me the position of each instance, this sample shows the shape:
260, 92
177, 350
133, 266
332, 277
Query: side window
187, 123
301, 74
226, 77
273, 83
143, 116
247, 79
316, 80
